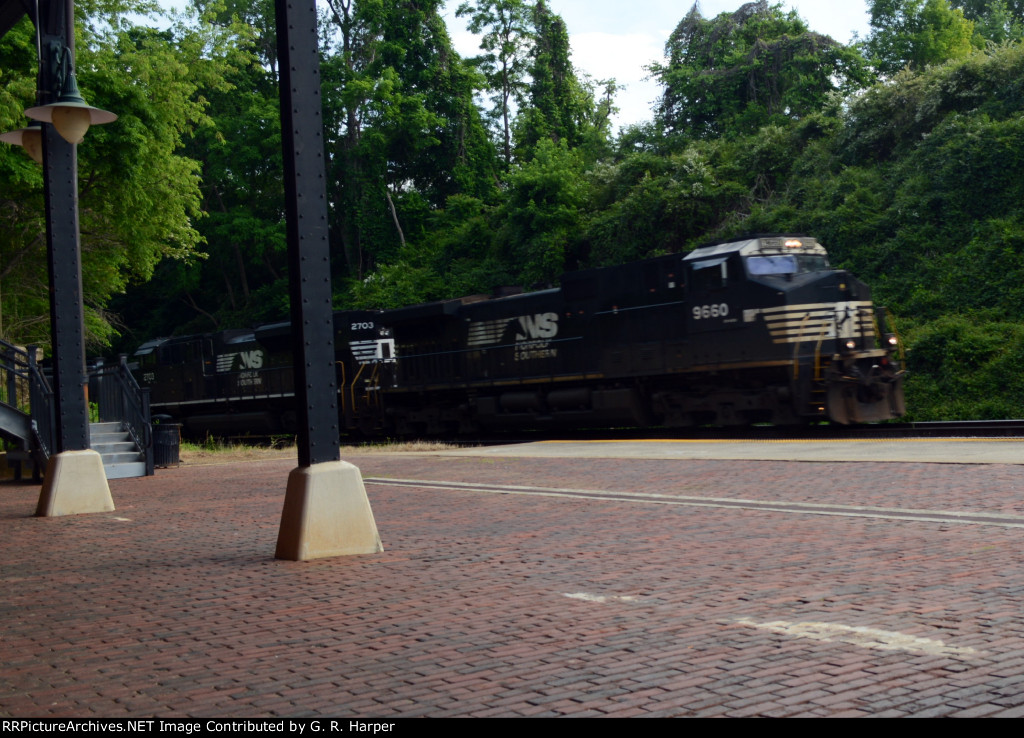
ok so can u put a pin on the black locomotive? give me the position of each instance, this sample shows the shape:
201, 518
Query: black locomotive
760, 329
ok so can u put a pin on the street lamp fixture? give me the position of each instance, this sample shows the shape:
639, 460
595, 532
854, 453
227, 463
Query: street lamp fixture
71, 115
31, 138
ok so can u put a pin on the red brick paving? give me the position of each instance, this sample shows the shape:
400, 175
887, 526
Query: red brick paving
174, 606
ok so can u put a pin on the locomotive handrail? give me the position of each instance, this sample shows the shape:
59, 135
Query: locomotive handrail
817, 351
374, 378
617, 310
341, 385
352, 387
796, 348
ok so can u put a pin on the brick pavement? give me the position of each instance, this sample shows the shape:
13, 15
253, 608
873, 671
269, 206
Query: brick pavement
509, 605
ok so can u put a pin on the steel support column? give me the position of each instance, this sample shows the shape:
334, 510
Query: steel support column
60, 181
309, 259
66, 310
326, 511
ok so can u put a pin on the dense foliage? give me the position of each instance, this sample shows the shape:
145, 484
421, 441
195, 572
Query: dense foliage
139, 198
452, 176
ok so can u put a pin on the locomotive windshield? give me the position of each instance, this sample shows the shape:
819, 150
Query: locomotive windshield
787, 264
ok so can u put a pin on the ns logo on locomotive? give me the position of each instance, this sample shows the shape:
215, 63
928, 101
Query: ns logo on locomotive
759, 329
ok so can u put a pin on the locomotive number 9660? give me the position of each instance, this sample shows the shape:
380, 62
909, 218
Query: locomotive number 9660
703, 312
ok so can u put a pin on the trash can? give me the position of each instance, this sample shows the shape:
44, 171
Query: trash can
166, 444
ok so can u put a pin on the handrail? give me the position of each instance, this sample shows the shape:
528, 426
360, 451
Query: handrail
352, 387
121, 399
14, 362
41, 407
341, 386
817, 350
796, 348
26, 390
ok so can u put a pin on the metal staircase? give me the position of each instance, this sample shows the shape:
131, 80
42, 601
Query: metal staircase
124, 439
122, 457
123, 435
28, 434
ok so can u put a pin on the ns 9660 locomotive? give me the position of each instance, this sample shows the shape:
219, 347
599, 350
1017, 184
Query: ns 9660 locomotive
759, 329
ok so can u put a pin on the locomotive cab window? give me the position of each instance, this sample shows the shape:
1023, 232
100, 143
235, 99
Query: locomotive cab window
786, 264
713, 274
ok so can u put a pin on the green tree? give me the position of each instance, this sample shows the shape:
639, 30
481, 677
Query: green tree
916, 33
139, 197
544, 213
403, 132
739, 71
556, 104
997, 21
245, 277
506, 38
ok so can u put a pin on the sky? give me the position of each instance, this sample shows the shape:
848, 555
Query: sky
617, 39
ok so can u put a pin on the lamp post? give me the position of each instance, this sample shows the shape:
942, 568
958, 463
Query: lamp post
74, 481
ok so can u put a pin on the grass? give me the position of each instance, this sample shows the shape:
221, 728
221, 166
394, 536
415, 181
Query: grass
216, 451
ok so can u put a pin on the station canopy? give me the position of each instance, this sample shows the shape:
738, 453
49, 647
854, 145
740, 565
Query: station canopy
11, 12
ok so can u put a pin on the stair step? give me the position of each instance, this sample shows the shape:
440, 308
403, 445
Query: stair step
121, 457
115, 431
109, 459
111, 427
106, 437
125, 470
114, 447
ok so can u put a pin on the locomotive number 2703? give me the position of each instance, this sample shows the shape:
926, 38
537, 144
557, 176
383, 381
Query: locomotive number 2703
702, 312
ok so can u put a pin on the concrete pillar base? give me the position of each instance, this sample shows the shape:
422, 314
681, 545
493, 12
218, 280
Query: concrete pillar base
74, 483
326, 513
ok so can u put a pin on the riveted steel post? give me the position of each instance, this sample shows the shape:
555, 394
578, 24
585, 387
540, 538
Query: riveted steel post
309, 272
326, 511
60, 181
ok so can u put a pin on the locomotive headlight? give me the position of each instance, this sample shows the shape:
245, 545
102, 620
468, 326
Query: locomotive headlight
850, 344
892, 340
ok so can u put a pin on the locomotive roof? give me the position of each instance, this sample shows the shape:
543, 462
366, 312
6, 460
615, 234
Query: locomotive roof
760, 246
149, 346
451, 308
